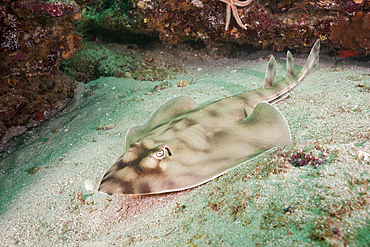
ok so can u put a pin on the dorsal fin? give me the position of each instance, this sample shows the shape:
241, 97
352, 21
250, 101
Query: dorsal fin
270, 73
290, 69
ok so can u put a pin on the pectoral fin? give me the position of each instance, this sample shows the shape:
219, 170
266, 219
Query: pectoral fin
264, 129
164, 114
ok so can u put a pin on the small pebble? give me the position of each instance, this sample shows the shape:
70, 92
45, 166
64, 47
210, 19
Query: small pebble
89, 185
363, 155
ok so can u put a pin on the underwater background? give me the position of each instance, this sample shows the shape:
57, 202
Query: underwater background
108, 65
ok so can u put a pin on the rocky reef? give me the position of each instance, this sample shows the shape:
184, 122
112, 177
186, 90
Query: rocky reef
340, 24
353, 33
35, 36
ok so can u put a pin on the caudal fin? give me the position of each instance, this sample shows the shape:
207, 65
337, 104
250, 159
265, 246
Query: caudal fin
312, 60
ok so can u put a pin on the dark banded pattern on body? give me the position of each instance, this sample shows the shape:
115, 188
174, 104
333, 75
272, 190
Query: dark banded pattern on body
184, 145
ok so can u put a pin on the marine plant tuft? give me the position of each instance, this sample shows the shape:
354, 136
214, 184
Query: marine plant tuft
301, 158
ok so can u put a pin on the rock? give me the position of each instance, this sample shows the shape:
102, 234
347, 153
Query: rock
35, 36
269, 24
354, 33
11, 132
89, 185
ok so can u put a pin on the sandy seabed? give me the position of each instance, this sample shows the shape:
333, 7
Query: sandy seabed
49, 175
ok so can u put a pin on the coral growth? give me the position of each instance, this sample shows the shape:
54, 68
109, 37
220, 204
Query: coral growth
270, 24
36, 8
353, 34
35, 36
120, 61
308, 158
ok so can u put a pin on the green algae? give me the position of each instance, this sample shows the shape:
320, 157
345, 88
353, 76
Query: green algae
106, 59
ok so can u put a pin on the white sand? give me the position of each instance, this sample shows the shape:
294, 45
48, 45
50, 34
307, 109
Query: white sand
245, 207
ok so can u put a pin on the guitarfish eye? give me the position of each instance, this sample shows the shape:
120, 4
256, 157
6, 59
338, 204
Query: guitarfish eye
160, 154
163, 153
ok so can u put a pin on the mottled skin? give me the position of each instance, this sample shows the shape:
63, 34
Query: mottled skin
184, 145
